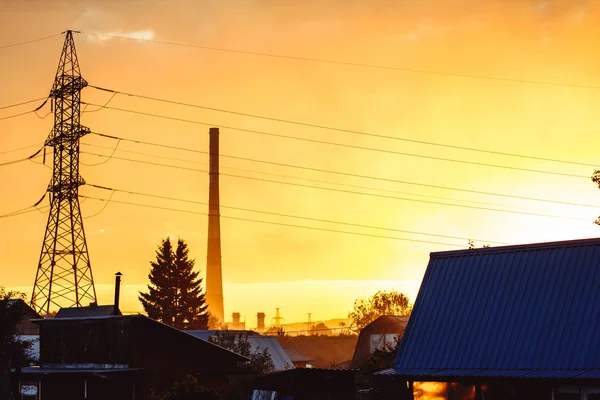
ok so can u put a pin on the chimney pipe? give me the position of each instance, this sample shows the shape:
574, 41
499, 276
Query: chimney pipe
260, 320
117, 293
214, 276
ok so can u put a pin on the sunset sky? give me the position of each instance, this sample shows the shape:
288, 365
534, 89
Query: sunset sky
422, 77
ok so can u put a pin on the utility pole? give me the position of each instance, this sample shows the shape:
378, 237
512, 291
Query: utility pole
277, 318
64, 275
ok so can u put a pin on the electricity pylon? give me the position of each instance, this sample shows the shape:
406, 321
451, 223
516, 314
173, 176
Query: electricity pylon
64, 275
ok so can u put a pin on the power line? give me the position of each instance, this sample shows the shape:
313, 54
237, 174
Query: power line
346, 145
31, 157
350, 64
29, 41
289, 215
16, 115
26, 209
346, 130
349, 174
279, 223
290, 176
345, 191
20, 104
21, 148
28, 112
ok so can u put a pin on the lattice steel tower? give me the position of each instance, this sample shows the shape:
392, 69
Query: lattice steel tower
64, 275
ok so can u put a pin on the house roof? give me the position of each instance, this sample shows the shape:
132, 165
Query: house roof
384, 324
258, 343
79, 312
295, 356
514, 311
172, 340
26, 308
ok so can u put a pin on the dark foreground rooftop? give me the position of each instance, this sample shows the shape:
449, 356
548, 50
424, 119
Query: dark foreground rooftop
530, 311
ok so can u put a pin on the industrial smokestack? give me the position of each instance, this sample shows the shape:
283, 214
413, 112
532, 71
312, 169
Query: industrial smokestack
214, 277
117, 293
260, 321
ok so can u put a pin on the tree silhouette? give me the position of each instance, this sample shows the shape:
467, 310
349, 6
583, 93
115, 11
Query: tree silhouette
14, 352
175, 294
381, 303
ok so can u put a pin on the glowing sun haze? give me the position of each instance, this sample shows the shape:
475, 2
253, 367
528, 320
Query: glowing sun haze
303, 270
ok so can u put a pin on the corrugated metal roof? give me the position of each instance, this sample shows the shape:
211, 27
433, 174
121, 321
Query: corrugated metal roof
450, 374
258, 343
530, 310
295, 356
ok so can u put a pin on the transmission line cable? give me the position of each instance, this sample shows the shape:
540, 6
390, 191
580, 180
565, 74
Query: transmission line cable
349, 174
31, 157
343, 190
294, 177
350, 64
21, 148
28, 112
102, 106
22, 103
26, 209
107, 159
113, 190
6, 46
278, 223
348, 130
17, 115
348, 145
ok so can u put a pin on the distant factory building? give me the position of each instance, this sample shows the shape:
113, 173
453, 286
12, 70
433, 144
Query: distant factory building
513, 322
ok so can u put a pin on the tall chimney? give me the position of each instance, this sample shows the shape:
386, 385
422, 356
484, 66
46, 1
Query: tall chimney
214, 277
260, 319
117, 293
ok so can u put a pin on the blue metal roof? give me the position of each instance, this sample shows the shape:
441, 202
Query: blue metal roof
513, 311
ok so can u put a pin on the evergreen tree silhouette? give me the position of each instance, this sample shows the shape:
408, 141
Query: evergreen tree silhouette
175, 295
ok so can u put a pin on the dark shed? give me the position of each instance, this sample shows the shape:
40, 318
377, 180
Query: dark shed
122, 357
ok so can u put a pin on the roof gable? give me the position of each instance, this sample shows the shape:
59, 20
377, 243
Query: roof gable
258, 343
531, 307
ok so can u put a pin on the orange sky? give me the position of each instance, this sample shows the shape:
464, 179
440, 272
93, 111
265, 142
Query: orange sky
301, 270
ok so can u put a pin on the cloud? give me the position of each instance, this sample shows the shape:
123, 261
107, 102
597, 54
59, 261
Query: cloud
141, 35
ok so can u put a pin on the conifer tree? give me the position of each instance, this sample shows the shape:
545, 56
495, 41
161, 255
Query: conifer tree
175, 295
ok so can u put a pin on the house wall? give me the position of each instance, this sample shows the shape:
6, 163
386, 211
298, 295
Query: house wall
26, 327
85, 341
83, 386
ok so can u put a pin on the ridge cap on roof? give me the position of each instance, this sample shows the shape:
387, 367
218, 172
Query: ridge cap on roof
518, 248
